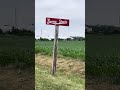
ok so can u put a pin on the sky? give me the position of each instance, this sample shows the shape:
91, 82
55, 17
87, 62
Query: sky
74, 10
102, 12
25, 13
77, 11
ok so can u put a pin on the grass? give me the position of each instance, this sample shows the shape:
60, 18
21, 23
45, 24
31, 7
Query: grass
61, 81
58, 82
73, 49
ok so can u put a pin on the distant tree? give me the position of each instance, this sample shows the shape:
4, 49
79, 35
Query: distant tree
1, 32
20, 32
116, 32
77, 38
68, 39
105, 29
44, 39
60, 39
52, 39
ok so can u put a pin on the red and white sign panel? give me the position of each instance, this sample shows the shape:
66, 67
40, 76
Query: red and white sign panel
57, 21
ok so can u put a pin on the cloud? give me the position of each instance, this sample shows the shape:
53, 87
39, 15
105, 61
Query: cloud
68, 9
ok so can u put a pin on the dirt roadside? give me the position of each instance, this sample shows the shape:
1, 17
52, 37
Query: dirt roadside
11, 79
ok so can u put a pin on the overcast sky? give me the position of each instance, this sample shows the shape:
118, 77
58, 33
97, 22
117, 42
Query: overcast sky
25, 13
74, 10
97, 12
102, 12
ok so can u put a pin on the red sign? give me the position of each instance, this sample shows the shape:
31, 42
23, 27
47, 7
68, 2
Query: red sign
57, 21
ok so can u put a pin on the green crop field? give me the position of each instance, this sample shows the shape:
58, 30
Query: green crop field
16, 62
16, 51
72, 49
103, 56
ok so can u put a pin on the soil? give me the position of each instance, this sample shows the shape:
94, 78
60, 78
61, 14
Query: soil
13, 79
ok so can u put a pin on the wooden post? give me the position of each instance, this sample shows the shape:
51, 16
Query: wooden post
55, 49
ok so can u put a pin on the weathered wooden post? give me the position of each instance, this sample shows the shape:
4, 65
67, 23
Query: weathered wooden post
57, 22
55, 49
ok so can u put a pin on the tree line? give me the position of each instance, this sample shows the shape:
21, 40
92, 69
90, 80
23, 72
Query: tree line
75, 38
16, 31
104, 29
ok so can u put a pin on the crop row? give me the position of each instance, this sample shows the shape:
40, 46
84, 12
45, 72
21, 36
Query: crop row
66, 52
19, 58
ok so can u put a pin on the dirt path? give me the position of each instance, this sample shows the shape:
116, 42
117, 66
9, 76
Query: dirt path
10, 79
67, 66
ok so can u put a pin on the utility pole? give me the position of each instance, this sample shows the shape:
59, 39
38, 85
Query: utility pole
15, 18
41, 32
